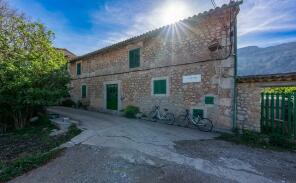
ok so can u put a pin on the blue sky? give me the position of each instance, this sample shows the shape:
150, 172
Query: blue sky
86, 25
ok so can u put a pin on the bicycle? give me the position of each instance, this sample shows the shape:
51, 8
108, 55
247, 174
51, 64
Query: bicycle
156, 114
203, 124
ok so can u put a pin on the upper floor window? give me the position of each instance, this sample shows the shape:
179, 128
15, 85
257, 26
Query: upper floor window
134, 58
78, 68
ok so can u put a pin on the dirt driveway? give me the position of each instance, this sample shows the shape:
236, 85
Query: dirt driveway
116, 149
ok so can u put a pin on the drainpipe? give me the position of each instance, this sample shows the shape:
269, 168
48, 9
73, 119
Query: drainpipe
234, 116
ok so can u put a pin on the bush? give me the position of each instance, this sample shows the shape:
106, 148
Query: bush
83, 104
274, 141
279, 140
68, 103
131, 111
25, 164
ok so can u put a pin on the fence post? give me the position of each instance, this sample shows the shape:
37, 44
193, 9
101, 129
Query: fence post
267, 110
289, 114
262, 111
294, 115
272, 111
277, 115
283, 111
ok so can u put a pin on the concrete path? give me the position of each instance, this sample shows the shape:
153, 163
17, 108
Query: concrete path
116, 149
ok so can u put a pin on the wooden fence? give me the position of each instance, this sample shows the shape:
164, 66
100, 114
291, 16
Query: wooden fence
278, 113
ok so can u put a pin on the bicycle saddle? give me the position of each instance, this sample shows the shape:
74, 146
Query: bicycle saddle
165, 109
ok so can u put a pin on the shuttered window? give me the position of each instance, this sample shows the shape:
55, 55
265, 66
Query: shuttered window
134, 58
198, 112
78, 68
83, 91
209, 100
160, 86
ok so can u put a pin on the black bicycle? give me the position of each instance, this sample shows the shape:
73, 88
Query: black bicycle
203, 124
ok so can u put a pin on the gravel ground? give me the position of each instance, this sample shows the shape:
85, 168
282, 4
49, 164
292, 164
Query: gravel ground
90, 164
280, 166
116, 149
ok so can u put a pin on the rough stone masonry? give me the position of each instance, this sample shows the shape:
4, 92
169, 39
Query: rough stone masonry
200, 47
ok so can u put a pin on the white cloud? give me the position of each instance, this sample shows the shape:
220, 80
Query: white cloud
266, 16
156, 17
256, 16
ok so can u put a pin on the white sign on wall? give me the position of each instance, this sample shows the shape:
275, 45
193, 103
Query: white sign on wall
192, 78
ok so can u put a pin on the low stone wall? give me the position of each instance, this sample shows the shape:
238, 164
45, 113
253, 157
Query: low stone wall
248, 106
249, 90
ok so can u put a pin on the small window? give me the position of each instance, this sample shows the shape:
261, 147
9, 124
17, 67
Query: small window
78, 68
198, 112
134, 58
83, 91
160, 87
209, 100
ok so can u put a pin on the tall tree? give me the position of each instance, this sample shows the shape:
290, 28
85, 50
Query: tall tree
33, 73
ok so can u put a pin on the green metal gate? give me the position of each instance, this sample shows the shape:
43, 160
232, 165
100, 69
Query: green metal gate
112, 96
278, 112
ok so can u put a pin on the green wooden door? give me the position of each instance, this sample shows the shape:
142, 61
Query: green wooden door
112, 96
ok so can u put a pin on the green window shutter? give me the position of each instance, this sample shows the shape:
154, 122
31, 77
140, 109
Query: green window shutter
83, 91
160, 86
209, 100
131, 58
78, 68
198, 112
134, 58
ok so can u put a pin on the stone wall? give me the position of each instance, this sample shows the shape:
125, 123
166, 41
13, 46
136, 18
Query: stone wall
172, 52
135, 89
249, 106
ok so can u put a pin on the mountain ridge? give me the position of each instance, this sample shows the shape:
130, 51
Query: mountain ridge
253, 60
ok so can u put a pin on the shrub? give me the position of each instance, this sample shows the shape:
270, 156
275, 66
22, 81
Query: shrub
83, 104
68, 103
279, 140
131, 111
272, 140
25, 164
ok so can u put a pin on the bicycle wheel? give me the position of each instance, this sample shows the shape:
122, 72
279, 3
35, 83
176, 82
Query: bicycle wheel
170, 117
205, 125
152, 116
182, 121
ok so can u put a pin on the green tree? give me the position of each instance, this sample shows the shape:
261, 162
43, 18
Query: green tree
33, 73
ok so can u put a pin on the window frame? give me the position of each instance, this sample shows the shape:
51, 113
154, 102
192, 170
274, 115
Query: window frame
129, 60
86, 91
77, 68
167, 86
211, 98
199, 109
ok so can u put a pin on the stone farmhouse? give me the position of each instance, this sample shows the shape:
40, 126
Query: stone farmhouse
190, 64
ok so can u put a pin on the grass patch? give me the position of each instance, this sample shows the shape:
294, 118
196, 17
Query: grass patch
30, 147
22, 165
266, 141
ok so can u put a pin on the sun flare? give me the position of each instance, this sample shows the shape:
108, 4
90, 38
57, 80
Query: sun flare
174, 11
